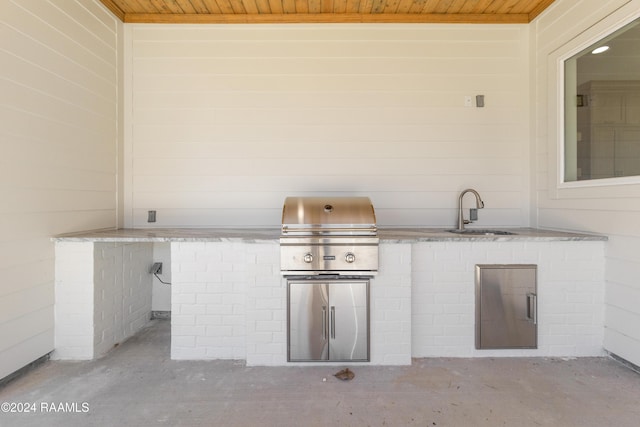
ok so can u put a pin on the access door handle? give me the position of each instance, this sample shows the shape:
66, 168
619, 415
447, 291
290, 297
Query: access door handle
324, 322
532, 307
333, 322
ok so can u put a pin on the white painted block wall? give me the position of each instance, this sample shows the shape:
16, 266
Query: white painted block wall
103, 296
74, 301
229, 302
266, 306
122, 295
208, 300
229, 299
390, 305
570, 296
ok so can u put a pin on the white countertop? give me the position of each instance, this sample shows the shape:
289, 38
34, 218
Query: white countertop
249, 235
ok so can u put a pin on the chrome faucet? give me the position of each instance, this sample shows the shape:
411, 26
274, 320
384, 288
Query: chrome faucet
472, 216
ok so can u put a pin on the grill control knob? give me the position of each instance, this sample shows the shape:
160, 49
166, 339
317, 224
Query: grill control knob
308, 258
350, 257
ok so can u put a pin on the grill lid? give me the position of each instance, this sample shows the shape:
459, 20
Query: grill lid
328, 216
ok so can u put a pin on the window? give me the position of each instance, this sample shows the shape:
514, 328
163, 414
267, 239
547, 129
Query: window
602, 108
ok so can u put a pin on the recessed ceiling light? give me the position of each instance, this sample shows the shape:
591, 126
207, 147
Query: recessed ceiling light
600, 49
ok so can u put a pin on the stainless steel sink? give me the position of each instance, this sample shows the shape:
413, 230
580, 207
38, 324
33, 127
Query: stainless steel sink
482, 232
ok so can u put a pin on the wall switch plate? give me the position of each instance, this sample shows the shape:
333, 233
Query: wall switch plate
151, 217
468, 101
479, 101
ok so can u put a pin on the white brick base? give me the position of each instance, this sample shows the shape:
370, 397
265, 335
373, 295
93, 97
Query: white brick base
208, 300
391, 307
570, 296
229, 302
228, 299
102, 296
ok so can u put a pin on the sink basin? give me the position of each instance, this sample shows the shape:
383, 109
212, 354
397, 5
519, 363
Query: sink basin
481, 232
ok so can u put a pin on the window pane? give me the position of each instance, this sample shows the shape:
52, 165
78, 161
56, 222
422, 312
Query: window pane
602, 108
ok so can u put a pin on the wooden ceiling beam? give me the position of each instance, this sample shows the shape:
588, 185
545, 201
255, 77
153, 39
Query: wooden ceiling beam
327, 11
257, 18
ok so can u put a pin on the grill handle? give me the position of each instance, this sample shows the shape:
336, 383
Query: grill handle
285, 229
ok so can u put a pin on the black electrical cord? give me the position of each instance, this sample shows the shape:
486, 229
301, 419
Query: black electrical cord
161, 281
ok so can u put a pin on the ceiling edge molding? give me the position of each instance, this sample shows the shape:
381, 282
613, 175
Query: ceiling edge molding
291, 18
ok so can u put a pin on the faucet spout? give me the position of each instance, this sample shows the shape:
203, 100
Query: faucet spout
479, 205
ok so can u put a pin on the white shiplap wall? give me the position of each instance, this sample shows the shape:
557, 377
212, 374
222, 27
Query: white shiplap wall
610, 210
58, 165
226, 121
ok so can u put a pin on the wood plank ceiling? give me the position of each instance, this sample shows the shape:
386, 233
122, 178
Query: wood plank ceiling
338, 11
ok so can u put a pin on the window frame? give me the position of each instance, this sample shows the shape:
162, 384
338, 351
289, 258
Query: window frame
588, 38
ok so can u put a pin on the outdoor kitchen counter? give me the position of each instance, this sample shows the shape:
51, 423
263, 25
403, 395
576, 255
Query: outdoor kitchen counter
229, 299
249, 235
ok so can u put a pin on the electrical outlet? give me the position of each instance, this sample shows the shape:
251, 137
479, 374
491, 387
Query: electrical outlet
151, 216
468, 101
156, 268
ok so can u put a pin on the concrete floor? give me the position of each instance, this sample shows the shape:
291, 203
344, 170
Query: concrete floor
138, 385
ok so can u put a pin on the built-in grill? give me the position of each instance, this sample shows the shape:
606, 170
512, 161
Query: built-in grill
329, 251
329, 236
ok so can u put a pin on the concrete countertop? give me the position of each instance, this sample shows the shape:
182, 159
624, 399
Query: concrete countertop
254, 235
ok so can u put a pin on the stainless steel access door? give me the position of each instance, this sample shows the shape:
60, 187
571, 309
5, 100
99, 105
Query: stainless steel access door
348, 322
308, 324
506, 306
328, 320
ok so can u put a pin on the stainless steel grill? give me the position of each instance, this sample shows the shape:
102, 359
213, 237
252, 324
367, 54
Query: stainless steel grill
329, 235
